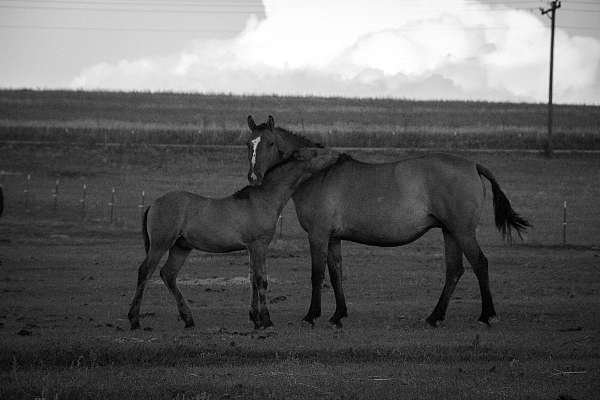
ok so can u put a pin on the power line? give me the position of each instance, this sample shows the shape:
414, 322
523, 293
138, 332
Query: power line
580, 10
232, 11
136, 10
583, 2
117, 29
155, 3
583, 28
121, 29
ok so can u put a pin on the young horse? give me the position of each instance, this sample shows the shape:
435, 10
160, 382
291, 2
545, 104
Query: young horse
181, 221
389, 204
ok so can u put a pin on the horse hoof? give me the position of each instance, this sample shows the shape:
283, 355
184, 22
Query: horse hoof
309, 318
135, 325
488, 321
190, 325
434, 322
337, 324
267, 324
308, 324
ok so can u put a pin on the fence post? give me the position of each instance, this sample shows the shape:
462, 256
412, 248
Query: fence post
83, 202
280, 223
141, 205
1, 191
55, 195
26, 192
111, 204
564, 224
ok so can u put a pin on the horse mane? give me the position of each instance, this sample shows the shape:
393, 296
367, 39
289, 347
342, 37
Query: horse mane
299, 140
244, 192
342, 158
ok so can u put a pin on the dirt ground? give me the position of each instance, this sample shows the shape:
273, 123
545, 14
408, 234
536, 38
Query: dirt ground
66, 285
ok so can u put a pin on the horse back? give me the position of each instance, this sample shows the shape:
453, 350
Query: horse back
204, 223
358, 199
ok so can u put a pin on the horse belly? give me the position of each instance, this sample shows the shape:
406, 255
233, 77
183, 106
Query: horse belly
213, 237
386, 229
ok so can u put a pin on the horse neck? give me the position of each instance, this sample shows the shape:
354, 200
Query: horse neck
279, 185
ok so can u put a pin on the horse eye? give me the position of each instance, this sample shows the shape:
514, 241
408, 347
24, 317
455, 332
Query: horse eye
271, 144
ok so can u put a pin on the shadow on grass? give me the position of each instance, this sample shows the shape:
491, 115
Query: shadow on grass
176, 355
567, 246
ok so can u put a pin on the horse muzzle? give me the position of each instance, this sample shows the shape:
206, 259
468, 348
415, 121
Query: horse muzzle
254, 179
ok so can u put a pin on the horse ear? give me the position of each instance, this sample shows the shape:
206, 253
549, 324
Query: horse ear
271, 122
251, 123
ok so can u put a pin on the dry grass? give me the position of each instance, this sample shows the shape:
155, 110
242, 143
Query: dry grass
136, 118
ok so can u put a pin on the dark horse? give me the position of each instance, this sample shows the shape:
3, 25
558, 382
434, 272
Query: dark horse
181, 221
388, 204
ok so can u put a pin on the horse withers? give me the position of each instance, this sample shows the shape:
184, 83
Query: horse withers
387, 204
181, 221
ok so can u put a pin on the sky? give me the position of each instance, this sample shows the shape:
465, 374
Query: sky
414, 49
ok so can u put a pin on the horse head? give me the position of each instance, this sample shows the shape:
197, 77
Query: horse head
262, 150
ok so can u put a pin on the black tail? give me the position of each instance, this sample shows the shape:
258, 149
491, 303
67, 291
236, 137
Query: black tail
505, 217
145, 230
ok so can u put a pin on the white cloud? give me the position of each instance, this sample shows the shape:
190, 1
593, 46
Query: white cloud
453, 49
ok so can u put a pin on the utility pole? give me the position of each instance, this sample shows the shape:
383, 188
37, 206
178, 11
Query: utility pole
554, 5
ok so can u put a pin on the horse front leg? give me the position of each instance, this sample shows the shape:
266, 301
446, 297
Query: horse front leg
334, 263
259, 313
318, 254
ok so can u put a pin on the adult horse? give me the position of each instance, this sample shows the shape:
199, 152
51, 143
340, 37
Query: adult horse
181, 221
387, 204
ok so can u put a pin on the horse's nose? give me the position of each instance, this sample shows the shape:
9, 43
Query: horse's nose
254, 179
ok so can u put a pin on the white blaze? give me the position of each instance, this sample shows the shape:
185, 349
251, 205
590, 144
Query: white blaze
255, 143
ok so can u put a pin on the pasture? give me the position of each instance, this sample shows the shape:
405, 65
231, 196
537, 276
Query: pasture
66, 286
197, 119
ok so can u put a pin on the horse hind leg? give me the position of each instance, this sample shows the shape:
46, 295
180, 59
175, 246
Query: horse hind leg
318, 254
145, 271
454, 270
169, 272
479, 262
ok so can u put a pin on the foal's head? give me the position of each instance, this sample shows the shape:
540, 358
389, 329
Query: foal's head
263, 151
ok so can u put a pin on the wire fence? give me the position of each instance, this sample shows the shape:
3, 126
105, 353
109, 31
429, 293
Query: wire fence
74, 199
80, 200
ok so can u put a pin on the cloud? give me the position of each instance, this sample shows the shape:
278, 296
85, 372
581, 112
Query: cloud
441, 49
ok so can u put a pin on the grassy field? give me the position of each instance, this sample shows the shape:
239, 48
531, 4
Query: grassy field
66, 285
134, 118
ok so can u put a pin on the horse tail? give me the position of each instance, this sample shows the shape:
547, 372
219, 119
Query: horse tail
504, 216
145, 230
